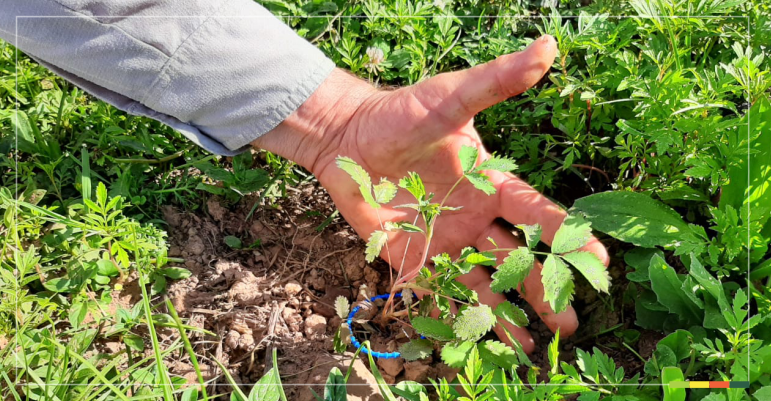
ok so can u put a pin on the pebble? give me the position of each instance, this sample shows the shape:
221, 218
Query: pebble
292, 288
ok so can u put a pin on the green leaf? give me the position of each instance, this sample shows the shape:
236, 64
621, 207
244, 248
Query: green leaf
669, 375
635, 218
342, 307
335, 389
268, 388
468, 158
360, 176
402, 225
432, 328
414, 185
668, 288
474, 322
77, 313
498, 353
751, 183
233, 242
679, 342
513, 271
101, 194
106, 268
553, 353
574, 233
410, 390
532, 234
385, 191
481, 182
590, 266
416, 349
709, 283
134, 342
483, 259
175, 273
557, 283
455, 354
512, 314
375, 245
497, 163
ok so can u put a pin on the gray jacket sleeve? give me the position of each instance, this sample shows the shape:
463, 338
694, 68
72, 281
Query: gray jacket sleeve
222, 72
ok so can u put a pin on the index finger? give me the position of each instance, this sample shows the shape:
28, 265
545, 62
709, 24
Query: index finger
519, 203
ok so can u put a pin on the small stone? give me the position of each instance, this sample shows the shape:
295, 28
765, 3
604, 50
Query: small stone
292, 288
391, 366
231, 339
315, 325
416, 371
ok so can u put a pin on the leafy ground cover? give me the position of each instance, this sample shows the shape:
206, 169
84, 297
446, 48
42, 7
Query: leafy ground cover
134, 264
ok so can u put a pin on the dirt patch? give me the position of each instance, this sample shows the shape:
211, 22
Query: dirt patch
278, 292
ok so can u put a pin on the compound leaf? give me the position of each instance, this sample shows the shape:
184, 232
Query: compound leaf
474, 322
557, 283
414, 185
574, 233
513, 271
468, 158
590, 266
481, 182
375, 245
433, 328
416, 349
511, 313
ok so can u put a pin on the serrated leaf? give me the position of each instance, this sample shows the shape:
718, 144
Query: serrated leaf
635, 218
512, 314
414, 185
375, 245
557, 283
481, 258
455, 354
574, 233
532, 234
385, 191
553, 353
513, 271
474, 322
416, 349
497, 163
360, 176
591, 267
481, 182
468, 157
498, 353
342, 307
432, 328
402, 225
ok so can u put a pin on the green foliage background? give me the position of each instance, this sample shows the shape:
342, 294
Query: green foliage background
646, 103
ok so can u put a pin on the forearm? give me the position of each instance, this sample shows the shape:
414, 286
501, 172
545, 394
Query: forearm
221, 72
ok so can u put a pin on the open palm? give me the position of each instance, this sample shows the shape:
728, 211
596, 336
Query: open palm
421, 128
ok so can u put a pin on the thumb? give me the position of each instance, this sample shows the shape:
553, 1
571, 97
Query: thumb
461, 95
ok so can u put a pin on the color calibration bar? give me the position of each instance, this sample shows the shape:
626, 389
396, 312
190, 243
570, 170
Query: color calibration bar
694, 384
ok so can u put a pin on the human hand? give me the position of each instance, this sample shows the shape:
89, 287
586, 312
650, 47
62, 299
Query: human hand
421, 128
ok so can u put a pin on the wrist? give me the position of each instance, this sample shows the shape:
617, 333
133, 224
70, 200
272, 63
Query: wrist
318, 126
